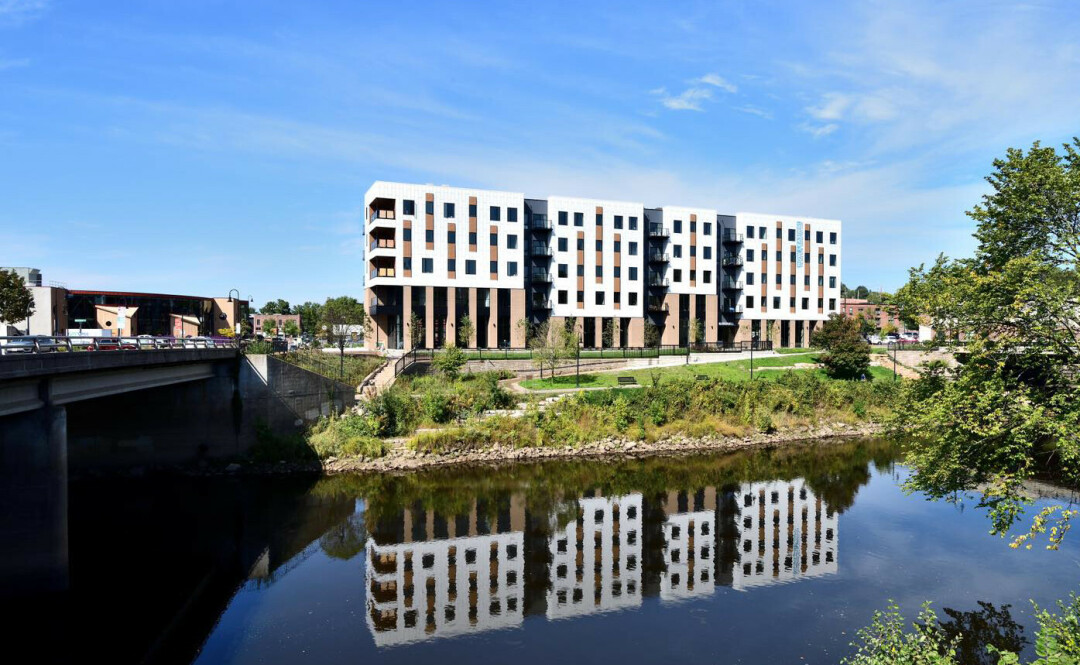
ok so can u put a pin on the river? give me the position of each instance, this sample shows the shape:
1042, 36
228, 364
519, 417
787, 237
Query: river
764, 556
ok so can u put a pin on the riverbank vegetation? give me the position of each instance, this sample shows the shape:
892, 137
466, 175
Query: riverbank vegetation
1011, 409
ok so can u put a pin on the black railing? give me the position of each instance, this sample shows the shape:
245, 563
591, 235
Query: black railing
731, 285
732, 237
732, 260
539, 223
657, 305
540, 249
658, 231
539, 276
659, 283
658, 257
733, 347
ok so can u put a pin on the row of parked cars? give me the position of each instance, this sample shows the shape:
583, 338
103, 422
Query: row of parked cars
46, 344
907, 337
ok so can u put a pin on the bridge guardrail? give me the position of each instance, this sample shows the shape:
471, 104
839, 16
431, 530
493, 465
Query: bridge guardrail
38, 344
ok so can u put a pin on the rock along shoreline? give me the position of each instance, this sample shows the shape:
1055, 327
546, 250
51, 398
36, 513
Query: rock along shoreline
401, 459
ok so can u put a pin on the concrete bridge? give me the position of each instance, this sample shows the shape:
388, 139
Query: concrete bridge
159, 407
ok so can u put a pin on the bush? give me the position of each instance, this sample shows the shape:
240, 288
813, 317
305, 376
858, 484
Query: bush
450, 361
884, 642
847, 355
350, 435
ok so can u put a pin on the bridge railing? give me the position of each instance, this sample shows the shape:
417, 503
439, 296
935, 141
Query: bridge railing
38, 344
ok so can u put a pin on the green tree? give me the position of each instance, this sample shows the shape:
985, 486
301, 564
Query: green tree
552, 345
697, 331
846, 355
417, 336
291, 329
610, 333
652, 335
16, 298
278, 306
1012, 409
310, 313
338, 315
450, 361
465, 331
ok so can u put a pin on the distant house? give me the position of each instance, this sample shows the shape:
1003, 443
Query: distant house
266, 323
878, 315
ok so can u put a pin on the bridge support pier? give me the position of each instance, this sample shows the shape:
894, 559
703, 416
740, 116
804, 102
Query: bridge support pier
34, 501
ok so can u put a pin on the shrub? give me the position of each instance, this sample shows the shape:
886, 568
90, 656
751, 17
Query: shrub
847, 355
884, 641
437, 406
346, 436
450, 361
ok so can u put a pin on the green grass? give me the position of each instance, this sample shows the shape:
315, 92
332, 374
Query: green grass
786, 351
736, 370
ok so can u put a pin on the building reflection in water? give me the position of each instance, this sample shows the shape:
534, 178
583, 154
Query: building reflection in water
428, 575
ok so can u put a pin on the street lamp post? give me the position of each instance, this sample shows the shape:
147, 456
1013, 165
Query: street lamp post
753, 343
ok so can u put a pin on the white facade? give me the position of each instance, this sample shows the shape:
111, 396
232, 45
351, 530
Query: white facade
786, 534
806, 294
509, 260
691, 251
567, 234
689, 553
607, 538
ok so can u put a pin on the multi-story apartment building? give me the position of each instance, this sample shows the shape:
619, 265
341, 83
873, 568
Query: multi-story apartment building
437, 254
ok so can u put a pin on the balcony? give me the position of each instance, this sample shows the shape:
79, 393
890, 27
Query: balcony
384, 308
729, 237
539, 276
542, 305
657, 305
731, 260
382, 218
658, 231
540, 249
659, 283
540, 224
731, 285
382, 272
658, 257
733, 310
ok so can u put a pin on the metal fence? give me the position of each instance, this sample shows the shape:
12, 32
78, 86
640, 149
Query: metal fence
35, 344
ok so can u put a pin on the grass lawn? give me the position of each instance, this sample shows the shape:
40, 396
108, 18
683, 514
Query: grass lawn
737, 370
786, 351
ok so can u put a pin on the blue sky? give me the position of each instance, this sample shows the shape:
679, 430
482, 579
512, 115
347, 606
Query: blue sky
199, 146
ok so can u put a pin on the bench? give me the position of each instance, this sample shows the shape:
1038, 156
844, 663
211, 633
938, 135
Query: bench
627, 381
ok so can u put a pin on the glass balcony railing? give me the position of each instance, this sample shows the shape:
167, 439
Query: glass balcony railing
732, 260
382, 243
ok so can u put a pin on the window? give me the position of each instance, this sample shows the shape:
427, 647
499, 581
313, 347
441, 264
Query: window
511, 241
749, 255
406, 235
708, 277
472, 237
427, 265
764, 278
820, 237
618, 272
633, 223
805, 303
820, 281
599, 271
599, 297
761, 232
832, 304
806, 280
494, 267
791, 280
693, 226
708, 228
776, 302
580, 271
779, 255
749, 302
779, 279
832, 240
618, 221
408, 207
429, 207
564, 270
821, 303
832, 259
451, 237
693, 250
677, 226
579, 219
791, 303
779, 233
493, 239
407, 263
448, 210
511, 268
563, 294
599, 219
633, 298
472, 210
693, 275
749, 232
599, 245
806, 257
429, 235
580, 298
581, 244
793, 257
832, 282
749, 279
494, 214
791, 235
633, 249
820, 258
470, 267
562, 218
708, 253
562, 244
677, 276
618, 297
676, 251
451, 265
633, 274
511, 214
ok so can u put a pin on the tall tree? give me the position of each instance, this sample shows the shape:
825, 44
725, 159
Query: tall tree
278, 306
16, 298
1013, 407
309, 312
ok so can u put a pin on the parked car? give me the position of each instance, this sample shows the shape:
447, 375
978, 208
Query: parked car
31, 344
112, 344
874, 339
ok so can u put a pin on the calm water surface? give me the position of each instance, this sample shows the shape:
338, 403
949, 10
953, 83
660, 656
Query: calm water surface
756, 557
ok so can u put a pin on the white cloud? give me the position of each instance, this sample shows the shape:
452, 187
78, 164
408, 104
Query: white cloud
719, 82
15, 12
817, 131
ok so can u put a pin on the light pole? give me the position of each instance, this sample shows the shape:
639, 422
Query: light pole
753, 343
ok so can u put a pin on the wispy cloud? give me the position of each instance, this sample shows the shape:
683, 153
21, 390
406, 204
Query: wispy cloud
718, 81
693, 98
